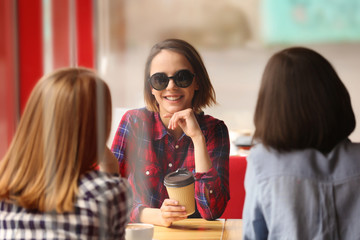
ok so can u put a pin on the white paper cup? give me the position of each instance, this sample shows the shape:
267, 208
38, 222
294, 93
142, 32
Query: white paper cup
139, 231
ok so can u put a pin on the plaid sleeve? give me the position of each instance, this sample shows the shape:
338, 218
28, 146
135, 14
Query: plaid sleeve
216, 180
120, 143
120, 212
124, 147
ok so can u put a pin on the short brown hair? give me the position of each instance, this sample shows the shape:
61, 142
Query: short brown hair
61, 135
302, 103
203, 97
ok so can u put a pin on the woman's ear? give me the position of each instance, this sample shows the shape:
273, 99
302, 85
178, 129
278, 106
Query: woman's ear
152, 91
196, 85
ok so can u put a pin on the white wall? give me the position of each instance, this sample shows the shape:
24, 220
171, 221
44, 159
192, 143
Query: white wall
226, 33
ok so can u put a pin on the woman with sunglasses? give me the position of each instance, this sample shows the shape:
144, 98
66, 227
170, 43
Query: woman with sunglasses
172, 132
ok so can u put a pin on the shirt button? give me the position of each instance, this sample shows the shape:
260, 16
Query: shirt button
176, 146
147, 172
211, 191
170, 164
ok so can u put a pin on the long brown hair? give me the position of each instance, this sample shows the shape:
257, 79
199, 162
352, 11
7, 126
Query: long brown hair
203, 97
61, 135
302, 103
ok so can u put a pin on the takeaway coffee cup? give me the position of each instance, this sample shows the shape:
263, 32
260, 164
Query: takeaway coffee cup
139, 231
180, 186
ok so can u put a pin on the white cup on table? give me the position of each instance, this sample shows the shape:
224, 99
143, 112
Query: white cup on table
137, 231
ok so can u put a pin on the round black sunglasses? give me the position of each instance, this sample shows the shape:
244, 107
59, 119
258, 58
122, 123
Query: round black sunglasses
182, 78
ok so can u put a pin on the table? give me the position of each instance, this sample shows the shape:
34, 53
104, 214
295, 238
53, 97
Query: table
197, 228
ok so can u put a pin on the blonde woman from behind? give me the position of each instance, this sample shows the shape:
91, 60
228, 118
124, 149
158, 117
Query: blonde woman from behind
50, 185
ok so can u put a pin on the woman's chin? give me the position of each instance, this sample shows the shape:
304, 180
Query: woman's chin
173, 110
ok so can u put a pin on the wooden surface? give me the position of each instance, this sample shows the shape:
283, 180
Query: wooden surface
232, 229
197, 229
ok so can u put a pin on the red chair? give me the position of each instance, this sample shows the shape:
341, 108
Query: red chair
237, 169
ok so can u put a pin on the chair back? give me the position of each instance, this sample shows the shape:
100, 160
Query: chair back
237, 169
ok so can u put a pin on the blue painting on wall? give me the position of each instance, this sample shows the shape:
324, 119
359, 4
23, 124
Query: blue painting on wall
309, 21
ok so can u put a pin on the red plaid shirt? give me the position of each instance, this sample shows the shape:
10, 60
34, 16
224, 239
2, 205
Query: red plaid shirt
146, 152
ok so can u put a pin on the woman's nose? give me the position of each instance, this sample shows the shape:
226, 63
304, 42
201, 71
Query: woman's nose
171, 84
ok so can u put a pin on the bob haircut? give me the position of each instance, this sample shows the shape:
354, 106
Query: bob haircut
203, 97
302, 103
61, 135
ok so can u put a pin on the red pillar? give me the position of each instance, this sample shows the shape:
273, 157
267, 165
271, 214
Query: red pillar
21, 50
64, 40
61, 33
31, 39
8, 74
30, 46
85, 33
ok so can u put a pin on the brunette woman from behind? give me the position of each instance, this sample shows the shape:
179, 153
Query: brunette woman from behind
303, 174
50, 187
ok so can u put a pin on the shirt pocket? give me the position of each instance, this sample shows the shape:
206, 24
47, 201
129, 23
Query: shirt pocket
149, 183
152, 175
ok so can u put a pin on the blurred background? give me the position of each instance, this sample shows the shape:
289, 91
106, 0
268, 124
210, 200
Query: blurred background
234, 37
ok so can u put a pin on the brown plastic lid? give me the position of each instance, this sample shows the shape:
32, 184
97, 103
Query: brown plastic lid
180, 178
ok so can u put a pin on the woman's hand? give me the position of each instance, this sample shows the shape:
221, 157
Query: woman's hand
186, 120
171, 211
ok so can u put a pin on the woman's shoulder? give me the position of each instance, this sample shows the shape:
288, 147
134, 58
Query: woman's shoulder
269, 162
349, 146
138, 113
209, 122
347, 151
310, 163
345, 145
96, 184
259, 152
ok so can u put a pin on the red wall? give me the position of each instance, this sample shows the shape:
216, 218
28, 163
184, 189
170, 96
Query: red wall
30, 46
8, 78
61, 36
85, 34
21, 58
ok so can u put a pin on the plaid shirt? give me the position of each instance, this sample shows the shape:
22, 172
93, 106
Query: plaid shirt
147, 152
101, 212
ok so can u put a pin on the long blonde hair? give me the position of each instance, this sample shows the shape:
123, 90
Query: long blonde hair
61, 135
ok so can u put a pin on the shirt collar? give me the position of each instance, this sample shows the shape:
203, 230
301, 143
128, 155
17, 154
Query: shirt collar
159, 128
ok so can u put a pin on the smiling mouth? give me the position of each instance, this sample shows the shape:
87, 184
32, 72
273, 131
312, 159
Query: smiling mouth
173, 98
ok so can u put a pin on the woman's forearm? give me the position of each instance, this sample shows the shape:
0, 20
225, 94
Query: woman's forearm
202, 158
